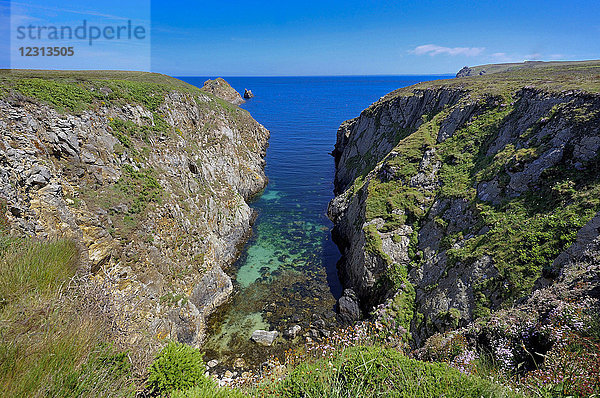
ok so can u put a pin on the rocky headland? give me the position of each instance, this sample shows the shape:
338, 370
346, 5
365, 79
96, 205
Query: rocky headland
220, 88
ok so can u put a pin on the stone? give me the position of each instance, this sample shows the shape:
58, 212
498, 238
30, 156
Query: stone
348, 306
264, 337
248, 94
292, 332
239, 363
220, 88
212, 363
39, 176
464, 72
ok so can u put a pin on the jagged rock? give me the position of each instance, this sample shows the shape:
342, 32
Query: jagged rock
532, 138
464, 72
39, 176
264, 337
248, 94
348, 306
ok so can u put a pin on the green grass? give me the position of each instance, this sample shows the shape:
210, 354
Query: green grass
76, 91
33, 267
555, 77
210, 391
48, 345
377, 372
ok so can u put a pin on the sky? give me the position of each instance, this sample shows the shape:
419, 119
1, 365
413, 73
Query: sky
262, 38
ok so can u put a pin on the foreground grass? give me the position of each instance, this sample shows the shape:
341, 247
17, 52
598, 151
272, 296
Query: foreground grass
377, 371
48, 346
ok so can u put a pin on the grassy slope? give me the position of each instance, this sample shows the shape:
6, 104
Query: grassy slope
75, 91
506, 67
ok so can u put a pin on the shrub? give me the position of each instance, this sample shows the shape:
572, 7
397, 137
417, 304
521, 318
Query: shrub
177, 367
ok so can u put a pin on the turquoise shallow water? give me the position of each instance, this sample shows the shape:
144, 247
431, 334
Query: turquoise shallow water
287, 272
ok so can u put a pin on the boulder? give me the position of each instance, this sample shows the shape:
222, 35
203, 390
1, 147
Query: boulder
248, 93
348, 306
264, 337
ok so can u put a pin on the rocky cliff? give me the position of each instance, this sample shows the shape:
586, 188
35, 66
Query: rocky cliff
461, 197
149, 175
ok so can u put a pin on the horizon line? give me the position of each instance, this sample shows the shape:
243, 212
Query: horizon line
353, 75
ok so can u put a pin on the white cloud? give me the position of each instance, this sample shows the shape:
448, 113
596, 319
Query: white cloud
533, 57
432, 50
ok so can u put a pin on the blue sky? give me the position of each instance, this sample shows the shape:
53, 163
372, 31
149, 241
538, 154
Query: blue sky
247, 38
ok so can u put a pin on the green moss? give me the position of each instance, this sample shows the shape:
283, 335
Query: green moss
373, 243
464, 153
401, 309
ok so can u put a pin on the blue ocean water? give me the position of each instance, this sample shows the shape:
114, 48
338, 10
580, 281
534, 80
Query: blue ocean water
287, 272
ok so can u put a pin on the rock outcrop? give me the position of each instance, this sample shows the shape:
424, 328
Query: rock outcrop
248, 94
456, 198
150, 176
221, 89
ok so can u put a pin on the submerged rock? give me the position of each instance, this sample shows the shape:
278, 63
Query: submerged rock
264, 337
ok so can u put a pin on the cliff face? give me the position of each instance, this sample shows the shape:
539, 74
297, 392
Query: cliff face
458, 198
150, 176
